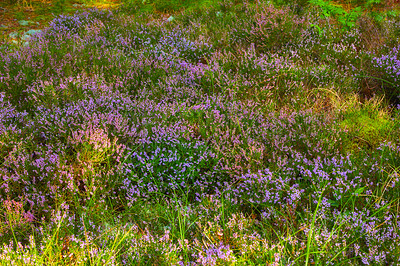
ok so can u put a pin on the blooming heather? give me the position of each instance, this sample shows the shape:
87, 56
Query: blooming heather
197, 141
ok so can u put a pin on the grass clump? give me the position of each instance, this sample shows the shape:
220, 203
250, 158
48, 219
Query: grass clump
170, 6
367, 123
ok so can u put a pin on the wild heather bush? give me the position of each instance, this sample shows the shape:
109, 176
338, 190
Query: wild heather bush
335, 185
394, 27
15, 220
388, 68
269, 28
275, 29
170, 166
77, 22
330, 57
175, 44
10, 126
197, 141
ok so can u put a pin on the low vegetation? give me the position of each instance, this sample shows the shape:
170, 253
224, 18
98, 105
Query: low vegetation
203, 133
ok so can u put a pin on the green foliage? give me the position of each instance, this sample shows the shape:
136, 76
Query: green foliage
367, 125
295, 3
346, 19
369, 4
328, 9
59, 6
167, 6
19, 15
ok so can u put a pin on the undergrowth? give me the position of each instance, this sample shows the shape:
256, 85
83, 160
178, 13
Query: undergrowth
203, 133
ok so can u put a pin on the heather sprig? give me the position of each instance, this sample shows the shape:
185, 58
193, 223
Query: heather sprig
387, 67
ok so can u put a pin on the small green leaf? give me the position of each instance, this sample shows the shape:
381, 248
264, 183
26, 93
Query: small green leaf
333, 203
359, 190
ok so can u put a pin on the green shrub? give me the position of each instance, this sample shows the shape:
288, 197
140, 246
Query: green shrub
367, 124
167, 6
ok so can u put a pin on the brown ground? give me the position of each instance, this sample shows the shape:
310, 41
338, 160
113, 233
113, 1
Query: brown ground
12, 11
